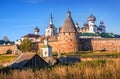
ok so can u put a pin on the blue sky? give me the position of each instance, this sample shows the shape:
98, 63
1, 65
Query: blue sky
20, 17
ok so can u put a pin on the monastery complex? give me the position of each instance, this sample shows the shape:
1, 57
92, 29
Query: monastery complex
70, 37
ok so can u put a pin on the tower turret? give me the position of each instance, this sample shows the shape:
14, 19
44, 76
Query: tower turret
68, 36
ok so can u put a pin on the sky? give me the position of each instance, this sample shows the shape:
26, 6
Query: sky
20, 17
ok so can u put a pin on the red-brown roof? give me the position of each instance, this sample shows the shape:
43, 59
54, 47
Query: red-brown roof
31, 35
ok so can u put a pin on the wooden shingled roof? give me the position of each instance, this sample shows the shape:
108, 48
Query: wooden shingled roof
28, 60
68, 25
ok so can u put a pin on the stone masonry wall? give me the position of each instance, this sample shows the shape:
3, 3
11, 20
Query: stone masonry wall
68, 42
102, 44
106, 44
5, 48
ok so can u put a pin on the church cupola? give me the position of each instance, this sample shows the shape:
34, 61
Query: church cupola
101, 28
36, 30
85, 24
91, 23
91, 18
77, 26
101, 22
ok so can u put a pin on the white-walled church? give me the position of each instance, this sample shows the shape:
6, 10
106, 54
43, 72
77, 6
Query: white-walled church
90, 27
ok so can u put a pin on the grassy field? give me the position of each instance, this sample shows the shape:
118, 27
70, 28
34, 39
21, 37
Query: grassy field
6, 58
91, 54
96, 69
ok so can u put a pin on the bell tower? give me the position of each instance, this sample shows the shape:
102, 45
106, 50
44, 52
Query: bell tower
51, 29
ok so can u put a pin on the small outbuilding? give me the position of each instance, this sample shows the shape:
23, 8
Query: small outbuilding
46, 50
28, 60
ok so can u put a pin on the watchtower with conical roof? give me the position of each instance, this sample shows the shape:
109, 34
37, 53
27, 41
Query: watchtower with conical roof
68, 36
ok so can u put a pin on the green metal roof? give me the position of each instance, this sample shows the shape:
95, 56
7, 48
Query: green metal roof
46, 46
89, 34
104, 35
5, 42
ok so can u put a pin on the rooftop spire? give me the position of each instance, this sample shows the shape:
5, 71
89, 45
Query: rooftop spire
68, 25
68, 13
51, 20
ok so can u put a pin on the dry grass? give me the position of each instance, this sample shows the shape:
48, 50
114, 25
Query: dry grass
7, 58
85, 70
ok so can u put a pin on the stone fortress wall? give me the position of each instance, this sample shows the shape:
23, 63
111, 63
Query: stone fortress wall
98, 44
68, 42
101, 44
5, 48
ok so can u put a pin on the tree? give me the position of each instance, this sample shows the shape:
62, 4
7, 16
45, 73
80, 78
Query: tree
26, 45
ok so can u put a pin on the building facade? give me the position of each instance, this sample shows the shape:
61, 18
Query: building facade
46, 50
91, 27
51, 29
68, 39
